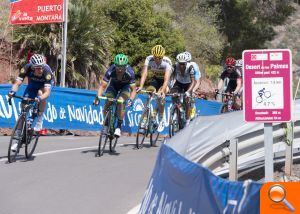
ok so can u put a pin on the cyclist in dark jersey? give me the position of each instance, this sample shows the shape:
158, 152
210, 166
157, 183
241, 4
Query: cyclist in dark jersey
118, 79
231, 77
40, 80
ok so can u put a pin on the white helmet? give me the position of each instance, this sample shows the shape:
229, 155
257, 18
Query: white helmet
188, 55
37, 60
182, 57
239, 63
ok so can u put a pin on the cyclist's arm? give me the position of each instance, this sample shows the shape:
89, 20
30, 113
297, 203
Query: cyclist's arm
220, 84
133, 91
196, 85
16, 85
239, 85
166, 80
102, 88
46, 94
144, 76
191, 85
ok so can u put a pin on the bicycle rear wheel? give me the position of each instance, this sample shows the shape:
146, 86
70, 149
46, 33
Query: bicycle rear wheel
112, 144
18, 136
174, 122
142, 129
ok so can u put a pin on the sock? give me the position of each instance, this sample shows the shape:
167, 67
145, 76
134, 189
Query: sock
119, 123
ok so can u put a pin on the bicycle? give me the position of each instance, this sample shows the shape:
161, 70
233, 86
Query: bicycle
229, 101
110, 119
23, 132
177, 113
147, 124
262, 95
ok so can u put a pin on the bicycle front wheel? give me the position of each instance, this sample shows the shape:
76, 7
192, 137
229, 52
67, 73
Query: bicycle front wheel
17, 137
142, 129
32, 139
112, 144
102, 143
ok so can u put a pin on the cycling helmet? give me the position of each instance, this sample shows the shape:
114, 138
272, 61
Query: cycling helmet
182, 58
230, 61
37, 60
158, 51
188, 56
120, 59
239, 63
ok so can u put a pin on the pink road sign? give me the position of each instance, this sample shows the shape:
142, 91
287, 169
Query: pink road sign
267, 80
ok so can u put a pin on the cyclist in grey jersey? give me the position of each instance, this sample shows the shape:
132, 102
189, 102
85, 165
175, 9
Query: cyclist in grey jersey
185, 80
196, 69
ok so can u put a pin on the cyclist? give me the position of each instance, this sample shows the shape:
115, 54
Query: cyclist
160, 67
185, 80
231, 77
118, 79
196, 69
40, 81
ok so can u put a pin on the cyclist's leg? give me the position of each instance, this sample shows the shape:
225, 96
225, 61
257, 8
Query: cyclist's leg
160, 101
41, 110
175, 89
109, 93
124, 95
153, 86
31, 91
187, 102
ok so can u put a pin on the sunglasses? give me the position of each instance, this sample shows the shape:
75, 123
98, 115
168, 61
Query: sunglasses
158, 58
182, 63
121, 66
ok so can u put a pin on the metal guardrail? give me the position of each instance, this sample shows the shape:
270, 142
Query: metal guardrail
230, 150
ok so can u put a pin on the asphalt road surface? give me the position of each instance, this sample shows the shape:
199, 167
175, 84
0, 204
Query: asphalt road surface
66, 177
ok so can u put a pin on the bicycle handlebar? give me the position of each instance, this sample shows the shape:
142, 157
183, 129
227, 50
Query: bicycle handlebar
111, 99
148, 92
19, 97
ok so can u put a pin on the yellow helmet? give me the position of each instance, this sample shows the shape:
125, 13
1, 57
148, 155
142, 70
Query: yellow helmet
158, 51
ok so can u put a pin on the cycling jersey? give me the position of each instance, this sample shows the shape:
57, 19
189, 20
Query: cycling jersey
157, 71
197, 70
232, 77
36, 83
119, 85
186, 76
128, 77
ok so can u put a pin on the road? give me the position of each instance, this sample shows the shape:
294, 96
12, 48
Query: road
66, 177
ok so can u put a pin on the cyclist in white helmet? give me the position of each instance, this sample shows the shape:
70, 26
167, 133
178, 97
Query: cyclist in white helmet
196, 69
184, 80
40, 81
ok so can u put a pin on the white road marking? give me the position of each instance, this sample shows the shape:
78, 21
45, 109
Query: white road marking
64, 150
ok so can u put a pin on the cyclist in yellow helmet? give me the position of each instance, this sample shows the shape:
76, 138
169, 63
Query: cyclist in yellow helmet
160, 68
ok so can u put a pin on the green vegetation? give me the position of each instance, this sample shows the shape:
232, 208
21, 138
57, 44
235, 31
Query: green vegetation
209, 29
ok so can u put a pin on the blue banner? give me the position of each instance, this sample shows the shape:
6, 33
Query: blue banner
72, 109
181, 186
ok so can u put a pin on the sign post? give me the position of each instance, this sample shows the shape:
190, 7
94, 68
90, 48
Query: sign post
267, 93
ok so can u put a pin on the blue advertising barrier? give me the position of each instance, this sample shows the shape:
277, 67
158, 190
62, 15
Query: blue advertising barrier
178, 185
72, 109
